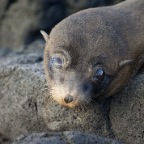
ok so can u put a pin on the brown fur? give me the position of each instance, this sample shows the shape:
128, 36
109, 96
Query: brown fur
112, 36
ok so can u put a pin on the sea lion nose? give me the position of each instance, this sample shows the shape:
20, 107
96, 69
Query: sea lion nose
68, 99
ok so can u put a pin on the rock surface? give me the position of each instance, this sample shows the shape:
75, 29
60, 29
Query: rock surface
127, 112
22, 20
22, 82
26, 106
66, 137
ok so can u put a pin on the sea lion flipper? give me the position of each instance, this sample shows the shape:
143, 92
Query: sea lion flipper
45, 35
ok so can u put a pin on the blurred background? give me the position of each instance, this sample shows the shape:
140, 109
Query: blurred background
21, 20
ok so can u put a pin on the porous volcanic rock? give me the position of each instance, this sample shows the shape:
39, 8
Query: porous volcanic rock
67, 137
127, 112
26, 106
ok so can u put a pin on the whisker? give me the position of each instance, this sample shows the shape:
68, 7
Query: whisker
81, 107
88, 103
85, 106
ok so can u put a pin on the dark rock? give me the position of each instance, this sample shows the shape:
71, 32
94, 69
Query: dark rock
4, 52
3, 7
21, 21
4, 139
73, 6
67, 137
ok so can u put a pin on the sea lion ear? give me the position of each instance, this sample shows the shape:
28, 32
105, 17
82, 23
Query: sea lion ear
125, 62
45, 35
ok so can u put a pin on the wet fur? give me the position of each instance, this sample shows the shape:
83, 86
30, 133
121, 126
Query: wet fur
112, 36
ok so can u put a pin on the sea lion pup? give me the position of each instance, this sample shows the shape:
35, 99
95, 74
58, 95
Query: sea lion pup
92, 54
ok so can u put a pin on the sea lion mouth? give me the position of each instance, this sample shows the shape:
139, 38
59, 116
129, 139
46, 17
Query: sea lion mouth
73, 104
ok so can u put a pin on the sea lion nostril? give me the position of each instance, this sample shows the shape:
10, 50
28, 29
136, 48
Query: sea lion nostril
68, 99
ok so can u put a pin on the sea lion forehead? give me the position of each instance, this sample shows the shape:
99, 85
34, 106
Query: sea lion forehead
64, 35
81, 21
88, 30
83, 24
66, 31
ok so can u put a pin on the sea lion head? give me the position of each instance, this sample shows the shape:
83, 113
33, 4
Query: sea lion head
82, 56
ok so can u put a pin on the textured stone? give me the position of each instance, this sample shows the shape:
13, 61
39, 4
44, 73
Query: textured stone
19, 100
22, 21
127, 112
67, 137
3, 5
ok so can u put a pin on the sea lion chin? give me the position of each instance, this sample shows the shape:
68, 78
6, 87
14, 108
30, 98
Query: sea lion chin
92, 54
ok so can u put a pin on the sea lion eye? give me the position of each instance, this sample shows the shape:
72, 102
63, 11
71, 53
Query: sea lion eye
98, 75
56, 62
